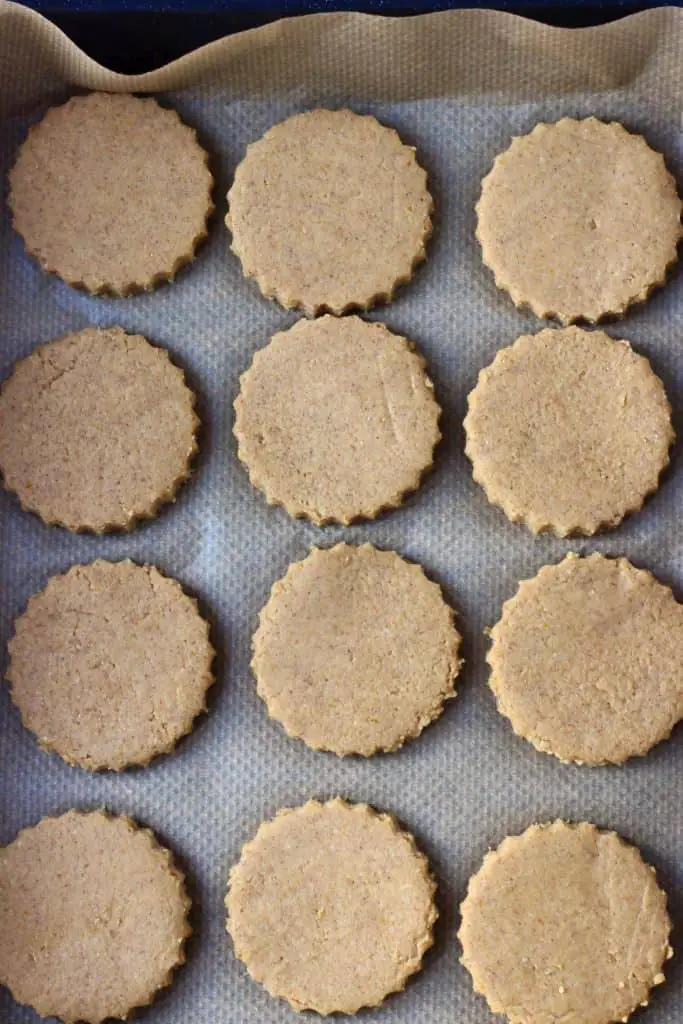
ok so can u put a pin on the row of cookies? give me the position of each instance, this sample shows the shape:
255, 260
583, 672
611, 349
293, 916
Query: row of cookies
91, 199
330, 211
355, 652
336, 420
331, 907
567, 430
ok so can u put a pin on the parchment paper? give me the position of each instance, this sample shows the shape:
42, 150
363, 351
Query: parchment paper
457, 85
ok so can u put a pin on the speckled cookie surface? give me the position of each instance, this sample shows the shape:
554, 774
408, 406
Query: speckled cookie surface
110, 664
356, 650
329, 211
331, 907
97, 430
579, 219
336, 419
565, 924
585, 660
568, 430
111, 192
93, 917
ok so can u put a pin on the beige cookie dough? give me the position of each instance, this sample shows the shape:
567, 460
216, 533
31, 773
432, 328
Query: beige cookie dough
568, 430
355, 651
111, 192
97, 430
329, 211
93, 917
578, 220
110, 664
565, 924
331, 907
336, 419
586, 660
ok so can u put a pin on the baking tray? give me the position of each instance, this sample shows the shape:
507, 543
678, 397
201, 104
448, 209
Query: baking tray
456, 85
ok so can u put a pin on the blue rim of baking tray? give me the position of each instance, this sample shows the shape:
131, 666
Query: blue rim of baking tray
133, 36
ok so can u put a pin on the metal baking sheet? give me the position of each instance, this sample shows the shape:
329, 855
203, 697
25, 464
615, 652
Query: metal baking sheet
457, 85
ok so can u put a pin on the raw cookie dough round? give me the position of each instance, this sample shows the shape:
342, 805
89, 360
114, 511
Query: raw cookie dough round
586, 660
336, 419
565, 923
579, 219
97, 430
93, 917
111, 192
355, 651
331, 907
110, 664
568, 431
329, 211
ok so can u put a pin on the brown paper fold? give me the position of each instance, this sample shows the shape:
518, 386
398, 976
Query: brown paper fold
371, 57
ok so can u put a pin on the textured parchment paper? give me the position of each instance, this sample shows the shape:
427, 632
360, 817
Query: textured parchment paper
456, 85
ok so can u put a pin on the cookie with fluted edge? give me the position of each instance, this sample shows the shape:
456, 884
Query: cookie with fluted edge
578, 220
97, 430
93, 917
568, 430
356, 650
336, 419
111, 192
331, 906
329, 211
110, 664
565, 923
585, 660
